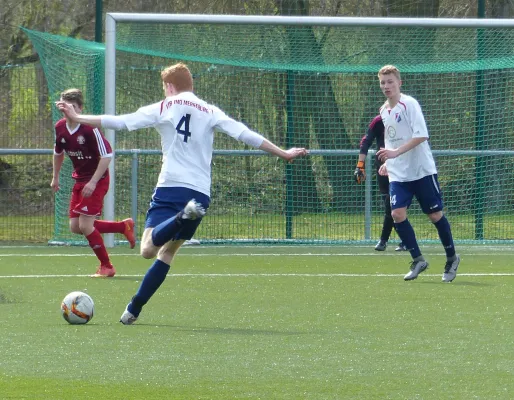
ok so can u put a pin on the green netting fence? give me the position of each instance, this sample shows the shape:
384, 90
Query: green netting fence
313, 86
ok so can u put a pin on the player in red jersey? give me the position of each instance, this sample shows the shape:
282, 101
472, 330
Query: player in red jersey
90, 154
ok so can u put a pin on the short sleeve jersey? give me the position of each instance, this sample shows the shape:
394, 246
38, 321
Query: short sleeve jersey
186, 125
84, 145
403, 123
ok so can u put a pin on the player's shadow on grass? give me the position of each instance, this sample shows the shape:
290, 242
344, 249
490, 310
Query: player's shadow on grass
127, 278
458, 283
6, 300
231, 331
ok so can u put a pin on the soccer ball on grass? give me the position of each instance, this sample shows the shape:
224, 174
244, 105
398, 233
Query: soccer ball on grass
77, 308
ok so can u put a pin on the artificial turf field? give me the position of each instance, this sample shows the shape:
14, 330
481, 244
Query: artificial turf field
290, 322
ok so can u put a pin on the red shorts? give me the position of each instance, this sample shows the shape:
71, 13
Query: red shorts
91, 205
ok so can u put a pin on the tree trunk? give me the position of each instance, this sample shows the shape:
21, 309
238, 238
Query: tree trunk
496, 98
315, 109
419, 9
5, 102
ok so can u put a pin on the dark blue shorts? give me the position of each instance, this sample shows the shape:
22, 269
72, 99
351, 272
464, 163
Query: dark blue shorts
168, 202
426, 190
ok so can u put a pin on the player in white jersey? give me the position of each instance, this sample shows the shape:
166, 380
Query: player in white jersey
412, 172
186, 124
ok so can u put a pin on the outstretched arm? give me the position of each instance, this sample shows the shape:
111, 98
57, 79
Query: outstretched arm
69, 111
144, 117
287, 155
240, 132
96, 121
258, 141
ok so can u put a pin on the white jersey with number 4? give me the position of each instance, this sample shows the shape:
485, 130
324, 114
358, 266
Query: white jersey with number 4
403, 123
186, 124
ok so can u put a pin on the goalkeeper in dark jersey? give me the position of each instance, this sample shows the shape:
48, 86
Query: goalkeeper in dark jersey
375, 132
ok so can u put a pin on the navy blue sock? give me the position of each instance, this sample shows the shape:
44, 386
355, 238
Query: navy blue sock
154, 277
445, 234
408, 237
167, 230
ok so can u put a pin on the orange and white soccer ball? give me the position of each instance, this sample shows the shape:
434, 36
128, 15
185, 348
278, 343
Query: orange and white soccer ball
77, 308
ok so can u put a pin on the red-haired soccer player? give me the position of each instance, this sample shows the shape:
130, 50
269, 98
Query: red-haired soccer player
186, 125
90, 154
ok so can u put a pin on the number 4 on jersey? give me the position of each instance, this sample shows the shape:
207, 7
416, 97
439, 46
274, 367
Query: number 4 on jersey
184, 123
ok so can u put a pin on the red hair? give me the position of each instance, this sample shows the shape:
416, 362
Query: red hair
178, 75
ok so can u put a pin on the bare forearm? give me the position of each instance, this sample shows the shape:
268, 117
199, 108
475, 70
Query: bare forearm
100, 170
70, 113
410, 145
57, 164
91, 120
271, 148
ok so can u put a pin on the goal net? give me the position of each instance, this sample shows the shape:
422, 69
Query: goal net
311, 84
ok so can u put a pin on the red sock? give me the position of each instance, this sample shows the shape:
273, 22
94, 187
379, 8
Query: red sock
109, 226
96, 242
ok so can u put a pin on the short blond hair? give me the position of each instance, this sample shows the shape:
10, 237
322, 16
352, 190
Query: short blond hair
73, 96
178, 75
390, 69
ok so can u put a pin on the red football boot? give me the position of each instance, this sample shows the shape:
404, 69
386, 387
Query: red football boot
129, 232
104, 271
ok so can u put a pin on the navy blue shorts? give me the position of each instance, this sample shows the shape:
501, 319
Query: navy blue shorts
426, 190
168, 202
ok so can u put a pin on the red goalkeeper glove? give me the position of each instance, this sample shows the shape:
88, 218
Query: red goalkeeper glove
360, 174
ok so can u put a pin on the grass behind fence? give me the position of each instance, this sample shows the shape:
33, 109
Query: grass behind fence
316, 227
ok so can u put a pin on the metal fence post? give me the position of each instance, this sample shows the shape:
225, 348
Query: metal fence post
133, 186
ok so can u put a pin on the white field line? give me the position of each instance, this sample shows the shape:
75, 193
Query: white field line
494, 247
185, 254
228, 275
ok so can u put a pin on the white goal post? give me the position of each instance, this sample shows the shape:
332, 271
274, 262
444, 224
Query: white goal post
112, 19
